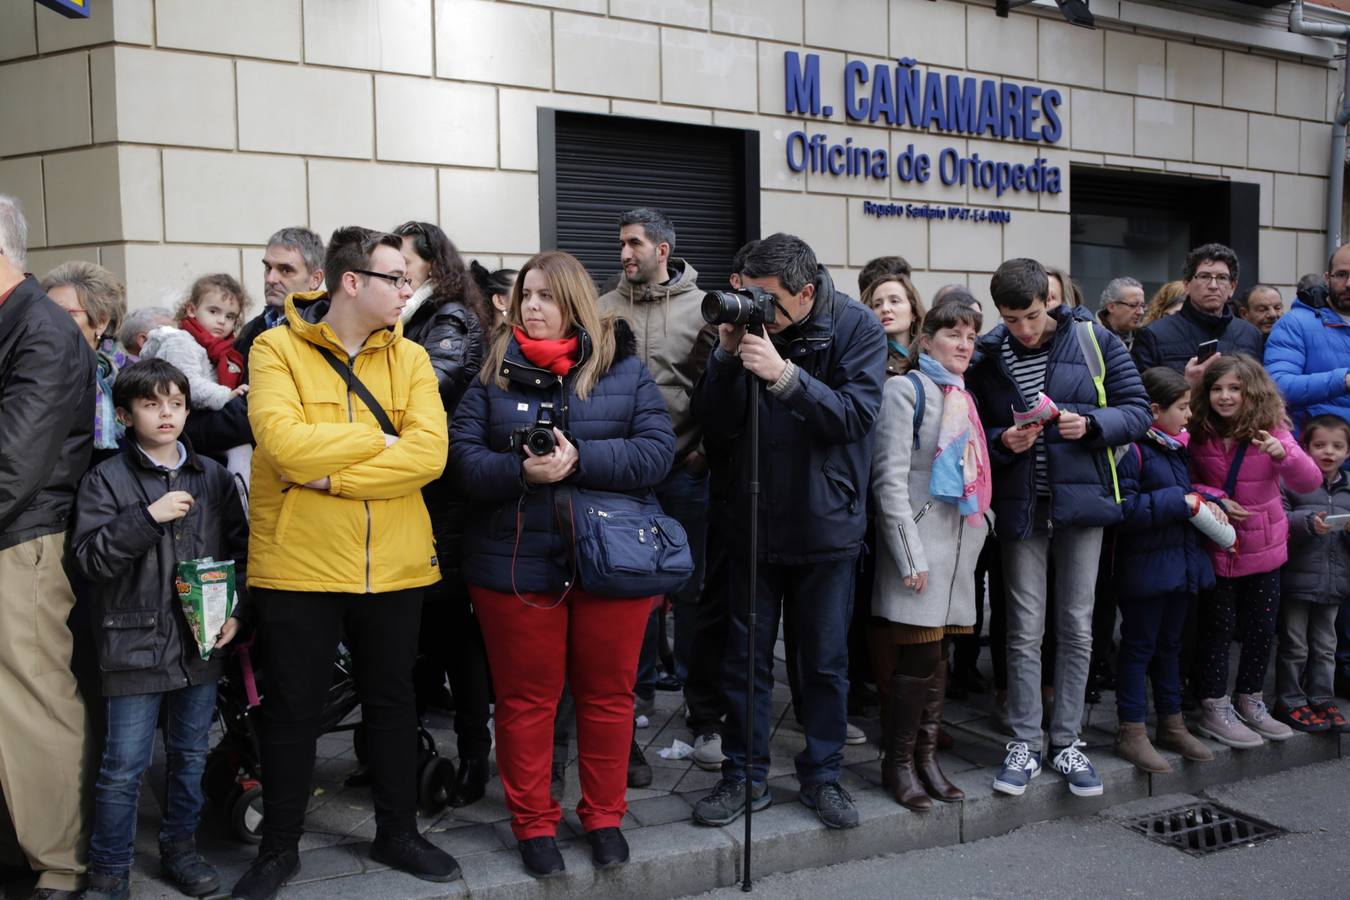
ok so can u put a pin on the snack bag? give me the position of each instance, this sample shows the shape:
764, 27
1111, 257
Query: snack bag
206, 590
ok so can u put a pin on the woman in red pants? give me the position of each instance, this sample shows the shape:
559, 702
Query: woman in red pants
563, 402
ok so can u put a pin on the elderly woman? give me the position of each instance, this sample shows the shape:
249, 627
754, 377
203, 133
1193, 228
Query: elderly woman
559, 361
138, 324
97, 301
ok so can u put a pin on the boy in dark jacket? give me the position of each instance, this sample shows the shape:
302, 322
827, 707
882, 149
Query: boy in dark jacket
1314, 584
1054, 491
138, 515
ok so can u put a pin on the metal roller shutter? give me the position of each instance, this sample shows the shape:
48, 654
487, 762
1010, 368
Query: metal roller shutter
593, 167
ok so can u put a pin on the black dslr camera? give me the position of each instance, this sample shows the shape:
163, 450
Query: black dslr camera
537, 437
750, 306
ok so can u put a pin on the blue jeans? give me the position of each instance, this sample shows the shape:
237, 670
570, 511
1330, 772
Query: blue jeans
818, 600
131, 740
1150, 646
684, 497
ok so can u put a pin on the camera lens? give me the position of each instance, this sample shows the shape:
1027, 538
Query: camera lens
540, 441
725, 308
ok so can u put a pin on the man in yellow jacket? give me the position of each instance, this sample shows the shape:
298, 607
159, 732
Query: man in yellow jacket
340, 542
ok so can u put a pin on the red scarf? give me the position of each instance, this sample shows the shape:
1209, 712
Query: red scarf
557, 356
228, 361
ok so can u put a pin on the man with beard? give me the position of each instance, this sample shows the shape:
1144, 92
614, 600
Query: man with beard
1308, 351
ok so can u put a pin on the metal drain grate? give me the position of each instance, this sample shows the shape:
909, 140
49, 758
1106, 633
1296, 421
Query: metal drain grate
1202, 828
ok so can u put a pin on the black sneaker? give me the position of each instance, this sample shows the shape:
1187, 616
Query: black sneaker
726, 803
639, 770
410, 852
185, 869
832, 804
541, 857
608, 847
271, 870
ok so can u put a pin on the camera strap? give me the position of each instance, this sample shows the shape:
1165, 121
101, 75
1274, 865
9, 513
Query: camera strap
357, 387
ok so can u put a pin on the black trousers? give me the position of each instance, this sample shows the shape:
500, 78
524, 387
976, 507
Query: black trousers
451, 644
703, 686
299, 632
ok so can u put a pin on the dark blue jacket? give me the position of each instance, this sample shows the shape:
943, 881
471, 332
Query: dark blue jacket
815, 444
1158, 551
1173, 340
1081, 492
1308, 355
624, 443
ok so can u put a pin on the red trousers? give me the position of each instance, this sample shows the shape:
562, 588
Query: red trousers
591, 643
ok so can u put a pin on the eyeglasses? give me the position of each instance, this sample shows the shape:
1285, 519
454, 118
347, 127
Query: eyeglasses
1139, 304
398, 281
1340, 276
1219, 278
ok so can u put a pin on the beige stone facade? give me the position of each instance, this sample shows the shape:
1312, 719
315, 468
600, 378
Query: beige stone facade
170, 137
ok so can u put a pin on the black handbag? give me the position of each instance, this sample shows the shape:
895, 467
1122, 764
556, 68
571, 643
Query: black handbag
624, 545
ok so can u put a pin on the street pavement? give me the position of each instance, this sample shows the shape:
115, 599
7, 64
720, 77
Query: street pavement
1098, 857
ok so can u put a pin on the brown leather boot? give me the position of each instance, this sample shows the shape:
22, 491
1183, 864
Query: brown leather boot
930, 740
1132, 745
904, 707
1173, 735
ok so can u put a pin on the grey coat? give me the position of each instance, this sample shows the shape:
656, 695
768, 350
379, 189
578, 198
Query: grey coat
942, 543
1318, 570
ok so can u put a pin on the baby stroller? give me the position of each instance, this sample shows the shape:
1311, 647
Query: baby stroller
233, 776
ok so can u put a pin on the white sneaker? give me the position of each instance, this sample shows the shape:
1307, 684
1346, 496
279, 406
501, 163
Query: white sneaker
708, 752
854, 735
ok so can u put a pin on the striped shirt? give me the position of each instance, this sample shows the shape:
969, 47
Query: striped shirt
1028, 367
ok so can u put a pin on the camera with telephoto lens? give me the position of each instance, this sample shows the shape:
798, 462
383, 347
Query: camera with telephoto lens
538, 438
750, 306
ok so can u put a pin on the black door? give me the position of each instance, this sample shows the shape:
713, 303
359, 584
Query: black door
593, 167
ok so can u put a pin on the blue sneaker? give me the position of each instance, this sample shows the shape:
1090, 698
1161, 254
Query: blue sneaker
1020, 766
1078, 771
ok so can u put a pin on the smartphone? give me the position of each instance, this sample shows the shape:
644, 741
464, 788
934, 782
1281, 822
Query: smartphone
1206, 350
1336, 520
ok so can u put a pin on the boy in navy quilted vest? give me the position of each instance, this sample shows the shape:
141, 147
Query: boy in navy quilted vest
1314, 584
1160, 568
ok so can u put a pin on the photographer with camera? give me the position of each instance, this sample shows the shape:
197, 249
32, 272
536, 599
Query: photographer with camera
565, 419
821, 357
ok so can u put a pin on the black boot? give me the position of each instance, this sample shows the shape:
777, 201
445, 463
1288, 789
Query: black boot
470, 781
905, 705
272, 869
927, 741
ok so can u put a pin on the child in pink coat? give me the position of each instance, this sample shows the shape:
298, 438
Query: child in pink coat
1241, 448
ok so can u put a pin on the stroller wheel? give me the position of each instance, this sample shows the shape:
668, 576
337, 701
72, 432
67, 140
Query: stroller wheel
435, 784
246, 815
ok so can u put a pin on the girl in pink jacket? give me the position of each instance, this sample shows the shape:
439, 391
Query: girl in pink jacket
1240, 450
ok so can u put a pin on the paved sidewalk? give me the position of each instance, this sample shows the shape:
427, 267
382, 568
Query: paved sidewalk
672, 857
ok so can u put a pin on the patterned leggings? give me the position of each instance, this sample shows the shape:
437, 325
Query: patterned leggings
1247, 608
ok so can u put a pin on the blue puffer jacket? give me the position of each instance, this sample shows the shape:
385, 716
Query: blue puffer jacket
624, 443
1081, 492
1173, 340
815, 437
1158, 551
1308, 355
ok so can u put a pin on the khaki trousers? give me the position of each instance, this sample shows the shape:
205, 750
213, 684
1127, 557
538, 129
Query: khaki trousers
42, 718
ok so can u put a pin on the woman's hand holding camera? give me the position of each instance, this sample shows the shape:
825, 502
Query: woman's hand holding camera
552, 467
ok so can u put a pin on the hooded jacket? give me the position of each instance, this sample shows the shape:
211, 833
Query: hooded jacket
369, 532
623, 439
144, 643
815, 436
1157, 549
1308, 356
1263, 535
1318, 570
46, 414
666, 320
1081, 492
1172, 340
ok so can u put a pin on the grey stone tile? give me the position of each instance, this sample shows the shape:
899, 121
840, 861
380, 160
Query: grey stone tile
1231, 765
1291, 800
342, 816
465, 841
661, 810
330, 862
383, 883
